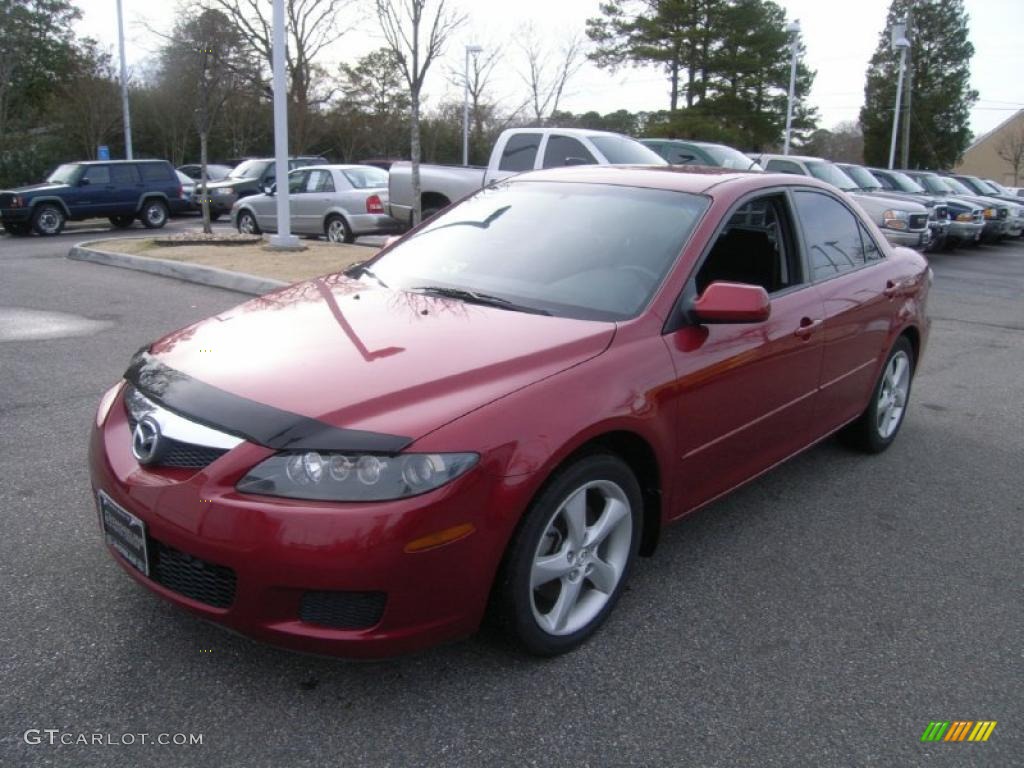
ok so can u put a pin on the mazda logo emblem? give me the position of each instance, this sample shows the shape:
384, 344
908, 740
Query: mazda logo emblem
146, 441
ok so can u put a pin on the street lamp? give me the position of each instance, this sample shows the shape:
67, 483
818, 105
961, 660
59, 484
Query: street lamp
284, 239
124, 86
470, 50
793, 29
901, 44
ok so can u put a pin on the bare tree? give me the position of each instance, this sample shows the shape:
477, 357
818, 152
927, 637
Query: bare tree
89, 100
312, 25
1011, 149
547, 71
415, 50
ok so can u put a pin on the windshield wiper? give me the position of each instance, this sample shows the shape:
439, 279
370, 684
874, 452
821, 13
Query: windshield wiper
472, 297
359, 269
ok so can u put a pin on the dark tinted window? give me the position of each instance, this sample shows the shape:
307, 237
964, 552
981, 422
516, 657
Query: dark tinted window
97, 174
680, 155
124, 174
297, 181
155, 172
831, 235
547, 246
623, 150
520, 152
784, 166
564, 150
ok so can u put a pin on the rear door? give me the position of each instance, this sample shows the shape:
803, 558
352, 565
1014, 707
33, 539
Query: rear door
310, 205
126, 182
852, 276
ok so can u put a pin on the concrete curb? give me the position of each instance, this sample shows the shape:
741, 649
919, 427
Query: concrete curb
179, 270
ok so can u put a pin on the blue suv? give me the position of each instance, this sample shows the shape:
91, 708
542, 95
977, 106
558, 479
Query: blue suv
120, 190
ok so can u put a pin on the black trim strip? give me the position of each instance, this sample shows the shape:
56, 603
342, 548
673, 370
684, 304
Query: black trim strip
248, 419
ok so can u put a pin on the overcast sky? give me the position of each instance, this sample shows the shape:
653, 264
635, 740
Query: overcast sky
840, 36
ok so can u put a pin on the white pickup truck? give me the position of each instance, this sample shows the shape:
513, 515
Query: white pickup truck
517, 150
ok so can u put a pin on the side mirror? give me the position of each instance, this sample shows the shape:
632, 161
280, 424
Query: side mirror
724, 302
269, 189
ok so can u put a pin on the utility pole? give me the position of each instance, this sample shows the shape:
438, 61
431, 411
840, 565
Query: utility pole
124, 86
470, 50
909, 87
793, 30
901, 44
284, 240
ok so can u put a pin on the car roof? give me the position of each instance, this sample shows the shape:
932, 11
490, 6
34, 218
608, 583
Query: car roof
801, 158
336, 167
115, 162
676, 178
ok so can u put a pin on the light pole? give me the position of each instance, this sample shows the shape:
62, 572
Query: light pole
284, 239
901, 44
124, 86
470, 50
793, 29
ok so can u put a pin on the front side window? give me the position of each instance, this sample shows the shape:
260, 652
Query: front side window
832, 235
754, 248
297, 181
546, 246
565, 150
520, 152
97, 174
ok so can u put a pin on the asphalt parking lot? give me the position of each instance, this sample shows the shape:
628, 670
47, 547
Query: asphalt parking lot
821, 616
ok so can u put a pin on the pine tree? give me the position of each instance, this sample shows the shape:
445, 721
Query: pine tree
939, 73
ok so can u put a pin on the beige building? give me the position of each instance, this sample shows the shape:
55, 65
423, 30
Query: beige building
987, 157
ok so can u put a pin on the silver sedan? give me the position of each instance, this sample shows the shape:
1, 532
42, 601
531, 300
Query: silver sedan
342, 202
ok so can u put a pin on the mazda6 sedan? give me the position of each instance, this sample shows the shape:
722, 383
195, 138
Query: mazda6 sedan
496, 414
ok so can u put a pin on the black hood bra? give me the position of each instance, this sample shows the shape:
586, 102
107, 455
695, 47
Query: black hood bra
256, 422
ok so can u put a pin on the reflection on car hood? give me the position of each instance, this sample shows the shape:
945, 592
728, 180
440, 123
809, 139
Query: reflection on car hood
44, 186
366, 358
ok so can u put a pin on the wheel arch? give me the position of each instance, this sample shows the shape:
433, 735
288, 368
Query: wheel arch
152, 196
433, 200
913, 335
332, 214
37, 201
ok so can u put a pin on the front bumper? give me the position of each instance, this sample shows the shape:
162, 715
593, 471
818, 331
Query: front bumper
281, 551
16, 215
911, 239
966, 231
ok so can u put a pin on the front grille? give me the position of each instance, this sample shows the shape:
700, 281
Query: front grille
192, 577
174, 453
941, 212
1004, 212
342, 610
979, 216
918, 220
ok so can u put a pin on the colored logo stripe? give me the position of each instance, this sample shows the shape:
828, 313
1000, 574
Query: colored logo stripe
958, 730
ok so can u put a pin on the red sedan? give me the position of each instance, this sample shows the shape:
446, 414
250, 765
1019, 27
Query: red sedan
499, 412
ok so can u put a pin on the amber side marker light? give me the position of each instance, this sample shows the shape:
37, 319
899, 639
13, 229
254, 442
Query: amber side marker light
440, 538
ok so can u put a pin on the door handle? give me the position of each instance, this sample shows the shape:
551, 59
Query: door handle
806, 328
892, 289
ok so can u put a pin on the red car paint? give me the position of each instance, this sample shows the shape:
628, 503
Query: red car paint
710, 405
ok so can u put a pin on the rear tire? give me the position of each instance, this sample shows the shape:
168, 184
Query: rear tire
121, 222
338, 230
154, 214
876, 428
48, 219
568, 562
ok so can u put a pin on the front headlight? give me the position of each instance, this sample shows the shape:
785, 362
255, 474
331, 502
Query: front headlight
348, 477
224, 191
895, 219
990, 213
964, 217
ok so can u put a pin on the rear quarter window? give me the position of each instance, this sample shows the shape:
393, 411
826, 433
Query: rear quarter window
155, 172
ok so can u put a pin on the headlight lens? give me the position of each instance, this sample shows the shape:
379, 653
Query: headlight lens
964, 217
895, 219
346, 477
224, 191
990, 213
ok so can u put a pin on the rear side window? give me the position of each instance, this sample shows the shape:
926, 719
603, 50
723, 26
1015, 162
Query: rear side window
320, 181
155, 172
680, 155
565, 150
784, 166
832, 235
124, 174
97, 174
520, 152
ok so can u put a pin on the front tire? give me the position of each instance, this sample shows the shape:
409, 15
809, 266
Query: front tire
569, 560
48, 220
338, 230
876, 428
247, 225
154, 214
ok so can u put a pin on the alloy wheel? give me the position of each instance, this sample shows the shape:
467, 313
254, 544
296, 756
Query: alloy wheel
581, 557
892, 395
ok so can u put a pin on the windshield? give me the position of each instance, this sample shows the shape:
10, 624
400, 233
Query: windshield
831, 174
932, 183
65, 174
727, 157
905, 183
367, 177
624, 151
546, 246
250, 169
998, 187
957, 186
861, 176
985, 187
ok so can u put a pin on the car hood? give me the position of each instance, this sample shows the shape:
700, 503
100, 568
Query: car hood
365, 358
44, 186
906, 203
928, 201
229, 183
